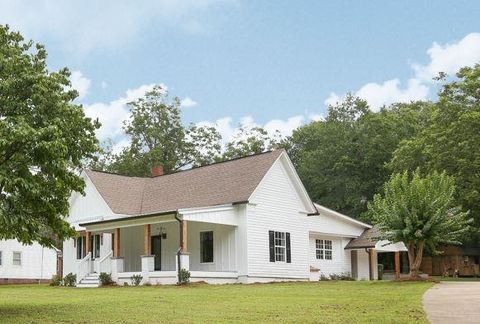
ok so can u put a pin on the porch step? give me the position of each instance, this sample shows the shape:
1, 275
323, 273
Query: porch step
90, 281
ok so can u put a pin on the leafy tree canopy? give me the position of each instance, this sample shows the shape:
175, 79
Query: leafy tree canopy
158, 137
342, 159
450, 139
419, 211
44, 138
250, 140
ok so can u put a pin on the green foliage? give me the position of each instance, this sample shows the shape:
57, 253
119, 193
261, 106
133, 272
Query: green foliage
450, 140
56, 280
250, 141
183, 276
136, 279
345, 276
105, 279
158, 137
419, 211
70, 280
44, 137
342, 159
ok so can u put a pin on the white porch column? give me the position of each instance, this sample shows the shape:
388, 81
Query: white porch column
184, 261
117, 267
148, 265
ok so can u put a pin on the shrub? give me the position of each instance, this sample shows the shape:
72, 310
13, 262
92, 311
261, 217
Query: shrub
105, 279
125, 284
136, 279
70, 280
345, 276
148, 283
183, 276
56, 280
324, 277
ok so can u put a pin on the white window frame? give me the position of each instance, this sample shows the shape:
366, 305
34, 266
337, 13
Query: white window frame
17, 259
213, 247
280, 246
323, 248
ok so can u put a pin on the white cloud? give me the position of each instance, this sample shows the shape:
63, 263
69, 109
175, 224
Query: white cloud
386, 93
81, 26
111, 115
188, 102
285, 127
228, 129
448, 58
316, 117
80, 83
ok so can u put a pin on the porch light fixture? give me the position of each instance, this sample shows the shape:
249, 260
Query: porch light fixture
162, 232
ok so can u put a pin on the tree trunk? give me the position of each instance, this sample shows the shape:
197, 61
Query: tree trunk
415, 255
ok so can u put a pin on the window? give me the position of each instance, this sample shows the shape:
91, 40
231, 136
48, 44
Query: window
280, 246
80, 243
323, 249
17, 258
206, 247
0, 258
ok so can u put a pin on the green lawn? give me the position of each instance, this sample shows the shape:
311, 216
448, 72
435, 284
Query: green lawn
325, 302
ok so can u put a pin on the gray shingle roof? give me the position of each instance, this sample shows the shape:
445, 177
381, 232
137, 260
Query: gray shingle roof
216, 184
367, 239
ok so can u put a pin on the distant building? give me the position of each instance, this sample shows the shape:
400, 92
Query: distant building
26, 263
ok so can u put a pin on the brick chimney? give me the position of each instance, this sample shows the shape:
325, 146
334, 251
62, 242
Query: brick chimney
157, 171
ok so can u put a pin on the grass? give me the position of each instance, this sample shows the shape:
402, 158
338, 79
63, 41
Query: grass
319, 302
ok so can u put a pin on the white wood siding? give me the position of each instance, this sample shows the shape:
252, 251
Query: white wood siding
37, 262
277, 206
224, 258
90, 207
341, 259
363, 265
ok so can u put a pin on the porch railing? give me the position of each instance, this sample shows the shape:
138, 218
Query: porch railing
105, 263
84, 267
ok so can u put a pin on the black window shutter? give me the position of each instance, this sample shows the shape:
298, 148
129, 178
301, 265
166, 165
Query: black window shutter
289, 253
271, 236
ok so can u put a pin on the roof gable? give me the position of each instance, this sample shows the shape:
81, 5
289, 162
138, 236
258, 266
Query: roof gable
215, 184
294, 180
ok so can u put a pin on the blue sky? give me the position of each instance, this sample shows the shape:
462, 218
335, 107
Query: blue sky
272, 63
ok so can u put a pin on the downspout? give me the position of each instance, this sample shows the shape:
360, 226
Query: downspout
179, 251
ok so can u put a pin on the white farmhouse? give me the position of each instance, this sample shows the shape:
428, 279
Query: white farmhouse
21, 263
240, 221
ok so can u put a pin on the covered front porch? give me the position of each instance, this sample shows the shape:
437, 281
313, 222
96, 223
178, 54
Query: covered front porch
157, 246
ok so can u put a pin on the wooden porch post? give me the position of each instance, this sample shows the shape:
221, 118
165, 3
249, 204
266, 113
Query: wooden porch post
88, 242
183, 236
116, 243
147, 230
397, 265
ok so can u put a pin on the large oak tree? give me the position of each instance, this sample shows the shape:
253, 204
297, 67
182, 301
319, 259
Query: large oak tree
44, 137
